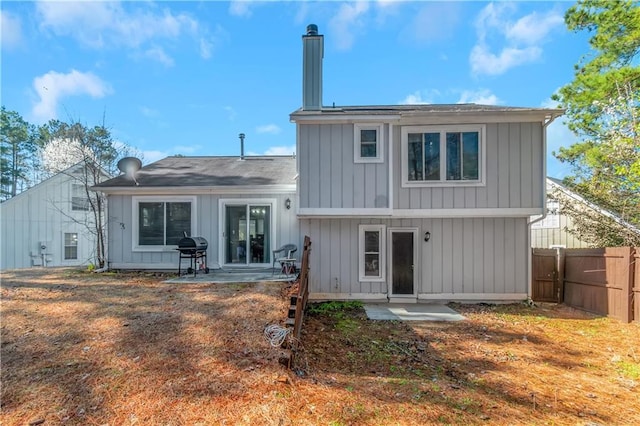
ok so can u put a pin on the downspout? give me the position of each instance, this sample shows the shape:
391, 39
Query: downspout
545, 124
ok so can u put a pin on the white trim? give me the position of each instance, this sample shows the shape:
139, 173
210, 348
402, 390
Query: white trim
476, 297
418, 213
136, 200
381, 297
357, 128
320, 118
382, 249
390, 177
197, 190
416, 266
442, 130
222, 203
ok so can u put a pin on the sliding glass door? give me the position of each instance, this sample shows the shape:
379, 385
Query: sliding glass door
247, 231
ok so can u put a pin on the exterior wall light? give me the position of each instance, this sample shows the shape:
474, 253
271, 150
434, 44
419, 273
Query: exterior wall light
287, 203
427, 236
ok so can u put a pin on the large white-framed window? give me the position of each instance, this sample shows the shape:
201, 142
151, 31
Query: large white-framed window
371, 252
368, 143
79, 198
449, 155
160, 222
70, 246
552, 219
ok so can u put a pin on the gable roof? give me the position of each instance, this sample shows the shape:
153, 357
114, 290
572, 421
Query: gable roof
557, 184
203, 172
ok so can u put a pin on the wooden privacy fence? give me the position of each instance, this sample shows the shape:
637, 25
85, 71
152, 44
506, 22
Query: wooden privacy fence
605, 281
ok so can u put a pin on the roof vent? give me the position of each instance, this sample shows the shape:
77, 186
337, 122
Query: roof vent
241, 136
312, 29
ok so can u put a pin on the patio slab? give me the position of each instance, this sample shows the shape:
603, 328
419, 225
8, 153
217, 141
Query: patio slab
411, 312
233, 275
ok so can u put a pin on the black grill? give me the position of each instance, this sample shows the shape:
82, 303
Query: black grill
194, 249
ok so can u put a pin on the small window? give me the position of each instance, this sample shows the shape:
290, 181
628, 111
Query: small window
367, 143
79, 198
371, 256
70, 246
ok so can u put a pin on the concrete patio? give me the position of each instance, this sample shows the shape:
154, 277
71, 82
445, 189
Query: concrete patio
411, 312
230, 275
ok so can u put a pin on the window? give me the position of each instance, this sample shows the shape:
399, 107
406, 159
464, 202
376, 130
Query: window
79, 199
371, 252
552, 220
367, 146
442, 156
160, 223
70, 246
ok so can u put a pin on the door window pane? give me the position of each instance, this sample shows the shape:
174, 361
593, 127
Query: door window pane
235, 231
259, 231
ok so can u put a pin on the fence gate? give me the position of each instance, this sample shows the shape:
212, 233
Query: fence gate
544, 270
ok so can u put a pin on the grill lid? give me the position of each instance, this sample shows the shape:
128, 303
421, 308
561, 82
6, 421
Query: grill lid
193, 243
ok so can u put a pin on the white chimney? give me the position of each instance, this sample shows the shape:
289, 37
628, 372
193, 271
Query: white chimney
312, 54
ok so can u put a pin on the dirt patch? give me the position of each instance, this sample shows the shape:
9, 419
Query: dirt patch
124, 349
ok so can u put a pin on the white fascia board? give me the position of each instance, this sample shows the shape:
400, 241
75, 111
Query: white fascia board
417, 213
474, 117
190, 190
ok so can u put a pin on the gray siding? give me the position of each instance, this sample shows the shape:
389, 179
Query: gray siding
514, 175
207, 216
547, 237
463, 257
329, 178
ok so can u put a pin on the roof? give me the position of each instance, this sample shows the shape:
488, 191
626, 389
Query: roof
209, 171
424, 108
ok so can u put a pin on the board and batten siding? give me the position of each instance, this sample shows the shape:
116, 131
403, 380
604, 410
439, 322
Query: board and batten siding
513, 175
558, 236
121, 255
328, 176
43, 214
465, 259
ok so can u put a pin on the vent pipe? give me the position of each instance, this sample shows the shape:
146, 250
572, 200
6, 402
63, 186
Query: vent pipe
241, 136
312, 54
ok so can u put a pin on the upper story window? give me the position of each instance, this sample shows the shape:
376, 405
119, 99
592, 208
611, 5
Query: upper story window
367, 146
79, 198
162, 222
443, 156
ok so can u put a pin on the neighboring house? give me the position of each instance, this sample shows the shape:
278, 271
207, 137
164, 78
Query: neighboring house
401, 202
417, 202
240, 205
46, 224
554, 230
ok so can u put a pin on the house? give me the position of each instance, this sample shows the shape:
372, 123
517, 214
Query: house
240, 205
48, 224
402, 202
417, 202
554, 230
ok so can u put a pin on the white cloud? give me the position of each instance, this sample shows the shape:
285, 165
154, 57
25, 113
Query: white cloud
231, 113
521, 39
151, 156
109, 25
148, 112
434, 21
346, 22
11, 30
240, 8
53, 86
482, 97
558, 136
281, 150
159, 55
420, 97
268, 128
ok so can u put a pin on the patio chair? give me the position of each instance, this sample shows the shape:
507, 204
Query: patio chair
287, 249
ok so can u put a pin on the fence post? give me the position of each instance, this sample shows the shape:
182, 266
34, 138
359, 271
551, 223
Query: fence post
560, 273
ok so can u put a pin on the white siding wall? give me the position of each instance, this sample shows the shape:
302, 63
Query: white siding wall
328, 175
514, 173
465, 259
43, 214
121, 255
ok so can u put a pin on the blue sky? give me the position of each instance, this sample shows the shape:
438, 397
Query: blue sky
188, 77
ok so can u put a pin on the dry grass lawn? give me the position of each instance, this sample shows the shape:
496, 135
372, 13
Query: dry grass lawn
124, 349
